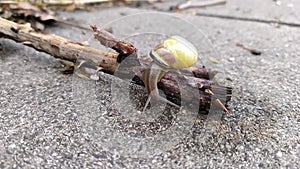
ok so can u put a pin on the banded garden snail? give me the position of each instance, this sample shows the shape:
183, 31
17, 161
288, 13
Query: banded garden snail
173, 54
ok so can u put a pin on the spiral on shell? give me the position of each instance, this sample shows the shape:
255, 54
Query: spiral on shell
174, 53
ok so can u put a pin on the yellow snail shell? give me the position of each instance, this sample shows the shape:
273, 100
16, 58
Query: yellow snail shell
175, 53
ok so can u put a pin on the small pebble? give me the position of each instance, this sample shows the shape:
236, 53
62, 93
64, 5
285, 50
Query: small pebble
231, 59
278, 154
94, 77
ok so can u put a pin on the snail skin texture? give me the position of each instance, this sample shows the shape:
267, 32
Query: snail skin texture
174, 53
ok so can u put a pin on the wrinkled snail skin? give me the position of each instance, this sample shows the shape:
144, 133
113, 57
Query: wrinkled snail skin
171, 55
150, 78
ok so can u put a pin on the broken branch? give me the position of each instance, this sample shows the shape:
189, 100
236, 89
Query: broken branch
57, 46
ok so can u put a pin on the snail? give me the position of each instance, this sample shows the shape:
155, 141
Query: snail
173, 54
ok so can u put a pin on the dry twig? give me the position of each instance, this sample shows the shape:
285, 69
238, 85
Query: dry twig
57, 46
199, 4
251, 50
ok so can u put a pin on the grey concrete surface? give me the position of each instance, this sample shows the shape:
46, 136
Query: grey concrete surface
45, 123
287, 11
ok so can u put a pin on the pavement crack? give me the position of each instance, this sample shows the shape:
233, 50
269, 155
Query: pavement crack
267, 21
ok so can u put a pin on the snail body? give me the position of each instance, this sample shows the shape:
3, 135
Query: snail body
172, 54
